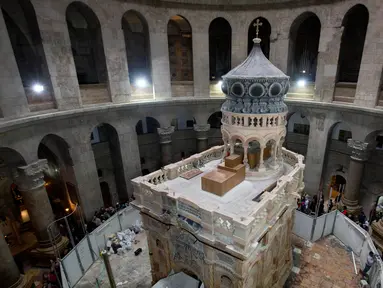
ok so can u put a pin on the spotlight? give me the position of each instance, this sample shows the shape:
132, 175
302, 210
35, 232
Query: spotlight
141, 83
38, 88
219, 84
301, 83
66, 209
304, 71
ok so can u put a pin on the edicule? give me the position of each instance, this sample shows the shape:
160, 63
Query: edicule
229, 224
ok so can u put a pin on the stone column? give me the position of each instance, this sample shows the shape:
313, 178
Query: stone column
84, 166
239, 44
58, 54
13, 101
359, 156
116, 63
201, 63
160, 64
202, 131
232, 144
327, 63
9, 273
279, 47
166, 144
30, 180
245, 161
261, 166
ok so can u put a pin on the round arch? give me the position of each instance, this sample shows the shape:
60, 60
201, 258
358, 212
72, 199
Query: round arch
219, 48
215, 120
85, 32
304, 38
137, 44
264, 29
179, 33
355, 23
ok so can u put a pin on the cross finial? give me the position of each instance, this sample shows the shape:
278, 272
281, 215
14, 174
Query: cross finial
257, 24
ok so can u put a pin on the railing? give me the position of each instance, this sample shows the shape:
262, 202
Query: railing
78, 261
347, 231
252, 120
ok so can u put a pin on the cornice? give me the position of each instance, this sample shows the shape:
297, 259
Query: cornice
9, 124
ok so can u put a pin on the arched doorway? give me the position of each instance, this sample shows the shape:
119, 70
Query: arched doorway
226, 282
88, 52
215, 120
219, 48
107, 154
263, 27
337, 185
148, 144
106, 197
24, 33
180, 56
303, 48
136, 34
60, 179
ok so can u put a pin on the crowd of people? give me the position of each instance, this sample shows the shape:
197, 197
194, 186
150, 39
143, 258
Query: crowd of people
311, 206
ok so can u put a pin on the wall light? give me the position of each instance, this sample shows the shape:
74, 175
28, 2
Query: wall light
66, 209
38, 88
219, 84
304, 71
141, 83
301, 83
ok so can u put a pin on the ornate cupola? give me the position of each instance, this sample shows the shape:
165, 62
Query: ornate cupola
254, 113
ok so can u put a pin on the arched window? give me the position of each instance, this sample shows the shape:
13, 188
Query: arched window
219, 48
264, 29
20, 20
136, 34
87, 46
180, 49
303, 47
147, 125
355, 24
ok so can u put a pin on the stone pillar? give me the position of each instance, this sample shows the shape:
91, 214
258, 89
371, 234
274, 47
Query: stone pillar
9, 273
327, 64
13, 101
245, 161
202, 132
84, 166
160, 64
166, 144
58, 54
239, 44
279, 47
30, 180
359, 156
232, 144
261, 166
116, 63
201, 63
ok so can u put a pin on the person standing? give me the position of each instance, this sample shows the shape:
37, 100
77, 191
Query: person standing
370, 261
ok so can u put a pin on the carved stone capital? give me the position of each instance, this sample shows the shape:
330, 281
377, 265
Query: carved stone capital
359, 150
165, 134
31, 176
202, 131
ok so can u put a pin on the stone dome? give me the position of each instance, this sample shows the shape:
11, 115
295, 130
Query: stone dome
256, 86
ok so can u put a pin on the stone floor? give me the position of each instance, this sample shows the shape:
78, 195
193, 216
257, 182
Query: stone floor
325, 264
129, 271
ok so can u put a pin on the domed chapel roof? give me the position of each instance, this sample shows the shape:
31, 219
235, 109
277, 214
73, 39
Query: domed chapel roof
255, 86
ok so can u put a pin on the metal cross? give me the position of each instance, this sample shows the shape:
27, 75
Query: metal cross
257, 24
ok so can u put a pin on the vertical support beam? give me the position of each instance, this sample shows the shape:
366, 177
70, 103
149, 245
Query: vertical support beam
238, 44
359, 155
201, 63
166, 144
159, 52
327, 67
58, 54
116, 63
84, 166
9, 273
13, 101
30, 179
202, 131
